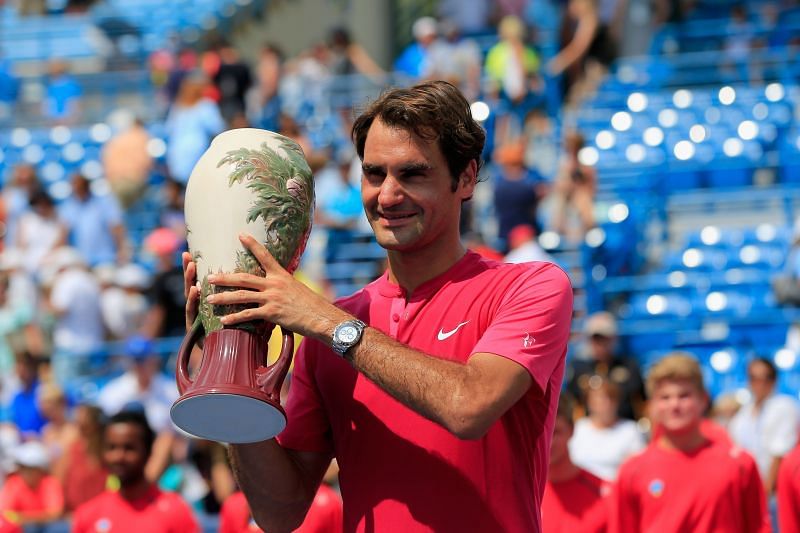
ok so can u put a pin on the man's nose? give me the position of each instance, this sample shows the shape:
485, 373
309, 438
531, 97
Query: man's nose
391, 192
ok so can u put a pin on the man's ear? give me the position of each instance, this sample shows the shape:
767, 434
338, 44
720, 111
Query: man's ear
467, 180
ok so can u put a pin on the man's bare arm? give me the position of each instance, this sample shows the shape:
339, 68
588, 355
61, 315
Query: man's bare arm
279, 484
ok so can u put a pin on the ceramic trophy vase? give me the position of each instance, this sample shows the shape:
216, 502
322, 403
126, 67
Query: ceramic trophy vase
248, 181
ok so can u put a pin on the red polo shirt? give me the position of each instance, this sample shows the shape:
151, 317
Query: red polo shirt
16, 495
402, 472
579, 504
155, 512
789, 492
713, 488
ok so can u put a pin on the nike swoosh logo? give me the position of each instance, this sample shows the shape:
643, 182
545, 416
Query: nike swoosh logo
446, 335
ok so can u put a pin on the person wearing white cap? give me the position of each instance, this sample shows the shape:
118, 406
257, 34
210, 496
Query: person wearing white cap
600, 330
75, 301
123, 302
413, 61
31, 495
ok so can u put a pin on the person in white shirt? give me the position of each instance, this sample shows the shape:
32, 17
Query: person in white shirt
602, 441
767, 425
143, 384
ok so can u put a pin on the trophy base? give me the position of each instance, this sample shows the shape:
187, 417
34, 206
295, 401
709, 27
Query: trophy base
226, 417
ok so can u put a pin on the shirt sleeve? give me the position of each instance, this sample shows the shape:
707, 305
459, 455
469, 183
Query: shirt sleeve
780, 435
532, 325
307, 426
52, 495
183, 519
756, 515
789, 496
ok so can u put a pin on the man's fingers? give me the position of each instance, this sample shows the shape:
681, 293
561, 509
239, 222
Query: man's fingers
237, 279
235, 297
189, 272
245, 315
268, 263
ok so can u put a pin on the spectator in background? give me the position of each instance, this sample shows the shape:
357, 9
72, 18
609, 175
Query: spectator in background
541, 144
575, 188
200, 473
62, 99
457, 60
524, 247
123, 302
59, 431
472, 16
575, 500
25, 413
15, 317
683, 481
339, 207
81, 468
767, 424
789, 493
516, 190
602, 441
171, 213
786, 285
413, 60
600, 332
127, 163
165, 317
269, 72
17, 194
191, 123
75, 302
94, 223
587, 50
138, 504
40, 231
32, 496
512, 68
142, 384
347, 57
232, 79
186, 62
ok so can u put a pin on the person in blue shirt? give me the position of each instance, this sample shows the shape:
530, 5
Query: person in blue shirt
413, 61
25, 413
63, 94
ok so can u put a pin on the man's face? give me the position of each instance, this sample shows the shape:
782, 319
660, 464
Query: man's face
602, 346
562, 432
407, 191
677, 406
760, 379
125, 452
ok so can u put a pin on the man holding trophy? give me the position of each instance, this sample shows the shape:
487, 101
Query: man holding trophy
436, 385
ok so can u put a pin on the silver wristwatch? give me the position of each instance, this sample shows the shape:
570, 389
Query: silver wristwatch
346, 335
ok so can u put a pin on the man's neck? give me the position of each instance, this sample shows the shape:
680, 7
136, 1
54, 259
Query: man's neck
412, 269
562, 471
685, 441
135, 490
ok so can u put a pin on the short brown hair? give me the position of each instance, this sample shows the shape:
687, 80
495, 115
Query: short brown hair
604, 386
434, 111
677, 366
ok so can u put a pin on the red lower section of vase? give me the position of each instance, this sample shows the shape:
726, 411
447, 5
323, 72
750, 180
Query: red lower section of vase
227, 401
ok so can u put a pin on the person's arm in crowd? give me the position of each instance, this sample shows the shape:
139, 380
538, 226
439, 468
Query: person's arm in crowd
771, 478
579, 45
465, 399
161, 455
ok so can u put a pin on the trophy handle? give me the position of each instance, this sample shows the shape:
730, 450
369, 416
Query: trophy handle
270, 379
182, 368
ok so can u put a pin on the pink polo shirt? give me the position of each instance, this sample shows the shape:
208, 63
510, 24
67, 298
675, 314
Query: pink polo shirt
402, 472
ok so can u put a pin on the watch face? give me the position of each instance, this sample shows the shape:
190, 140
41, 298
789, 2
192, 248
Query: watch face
348, 334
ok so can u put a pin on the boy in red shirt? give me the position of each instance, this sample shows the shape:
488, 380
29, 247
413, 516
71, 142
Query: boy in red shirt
683, 481
574, 499
138, 506
789, 493
31, 495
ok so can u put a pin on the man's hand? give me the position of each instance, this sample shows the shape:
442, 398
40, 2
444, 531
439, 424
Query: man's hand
277, 298
191, 289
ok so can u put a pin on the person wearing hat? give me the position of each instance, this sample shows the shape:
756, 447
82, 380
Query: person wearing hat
413, 61
31, 495
601, 335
